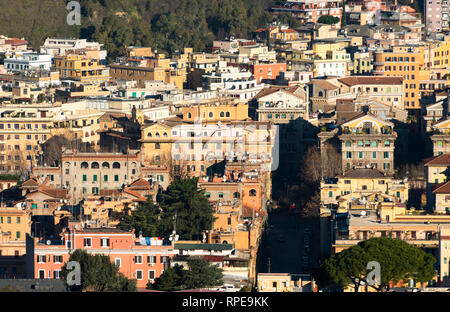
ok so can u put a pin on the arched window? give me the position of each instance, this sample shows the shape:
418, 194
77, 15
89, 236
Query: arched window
227, 114
320, 93
157, 146
222, 114
157, 134
116, 165
224, 242
105, 165
149, 135
189, 115
84, 165
211, 115
95, 165
236, 195
86, 134
165, 135
252, 192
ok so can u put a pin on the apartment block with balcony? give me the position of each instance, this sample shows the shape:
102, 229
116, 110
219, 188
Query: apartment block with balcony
137, 258
81, 68
406, 62
367, 141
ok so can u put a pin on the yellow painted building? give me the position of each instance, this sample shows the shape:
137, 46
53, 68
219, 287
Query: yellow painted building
21, 132
81, 68
15, 224
407, 62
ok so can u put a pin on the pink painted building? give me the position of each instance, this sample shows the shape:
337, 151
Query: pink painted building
140, 259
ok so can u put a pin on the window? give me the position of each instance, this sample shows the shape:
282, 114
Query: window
330, 194
138, 259
87, 242
105, 178
41, 259
9, 220
116, 178
138, 274
151, 275
41, 274
118, 262
57, 259
360, 155
348, 144
18, 220
252, 192
374, 155
151, 260
57, 274
385, 155
17, 235
349, 154
104, 242
84, 178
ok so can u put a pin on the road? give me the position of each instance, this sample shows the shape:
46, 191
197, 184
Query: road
289, 245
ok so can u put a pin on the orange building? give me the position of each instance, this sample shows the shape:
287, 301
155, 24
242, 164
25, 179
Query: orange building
135, 258
406, 62
267, 71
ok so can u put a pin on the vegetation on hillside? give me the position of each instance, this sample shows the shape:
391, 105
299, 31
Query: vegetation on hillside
168, 25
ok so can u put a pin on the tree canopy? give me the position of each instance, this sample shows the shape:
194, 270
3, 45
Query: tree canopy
328, 19
399, 262
98, 274
199, 275
183, 205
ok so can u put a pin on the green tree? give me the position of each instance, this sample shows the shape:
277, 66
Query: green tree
399, 261
328, 19
186, 204
98, 274
144, 219
170, 280
201, 274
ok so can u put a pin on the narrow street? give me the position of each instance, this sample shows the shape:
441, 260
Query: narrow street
290, 244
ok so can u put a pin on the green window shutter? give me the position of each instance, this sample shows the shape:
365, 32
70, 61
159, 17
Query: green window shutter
95, 177
116, 178
105, 178
374, 155
33, 206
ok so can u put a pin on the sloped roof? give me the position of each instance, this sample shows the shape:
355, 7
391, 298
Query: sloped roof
443, 188
371, 80
441, 160
324, 84
363, 173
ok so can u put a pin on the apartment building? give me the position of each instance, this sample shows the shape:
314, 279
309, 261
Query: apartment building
81, 68
28, 61
15, 224
386, 90
368, 141
363, 188
195, 148
406, 62
135, 257
59, 46
311, 10
436, 15
21, 132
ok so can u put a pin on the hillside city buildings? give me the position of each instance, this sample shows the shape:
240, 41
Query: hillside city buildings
363, 105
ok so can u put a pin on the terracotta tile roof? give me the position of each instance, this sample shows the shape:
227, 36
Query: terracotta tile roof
324, 84
442, 188
370, 80
110, 192
363, 173
140, 183
441, 160
31, 182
